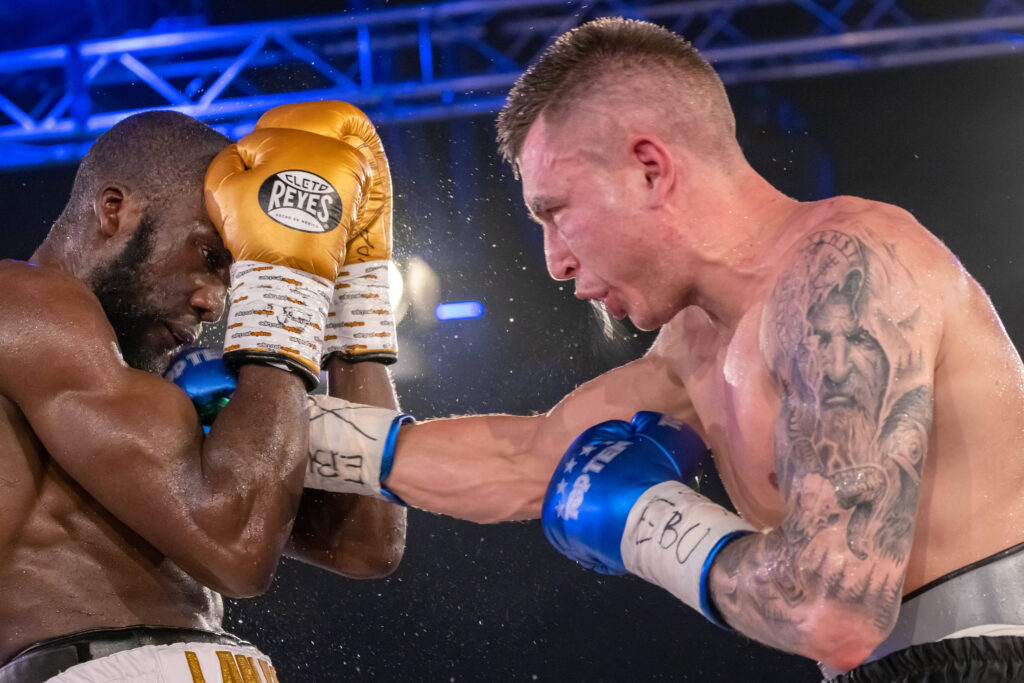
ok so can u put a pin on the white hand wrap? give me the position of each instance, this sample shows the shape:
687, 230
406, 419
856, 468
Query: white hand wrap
351, 446
672, 535
361, 324
277, 314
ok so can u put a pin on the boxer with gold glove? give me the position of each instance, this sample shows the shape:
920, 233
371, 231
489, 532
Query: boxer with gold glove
360, 325
286, 203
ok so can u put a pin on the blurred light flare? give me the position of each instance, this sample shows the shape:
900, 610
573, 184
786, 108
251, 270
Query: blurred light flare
459, 310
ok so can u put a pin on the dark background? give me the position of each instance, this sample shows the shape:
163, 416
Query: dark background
472, 602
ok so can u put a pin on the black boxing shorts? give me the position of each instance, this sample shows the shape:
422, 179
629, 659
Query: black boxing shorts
965, 626
994, 659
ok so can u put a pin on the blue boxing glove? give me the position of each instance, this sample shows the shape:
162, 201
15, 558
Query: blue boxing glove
204, 377
603, 473
617, 504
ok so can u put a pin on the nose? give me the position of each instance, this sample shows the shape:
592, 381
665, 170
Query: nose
209, 299
562, 264
837, 361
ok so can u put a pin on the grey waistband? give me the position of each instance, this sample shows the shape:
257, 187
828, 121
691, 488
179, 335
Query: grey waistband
990, 591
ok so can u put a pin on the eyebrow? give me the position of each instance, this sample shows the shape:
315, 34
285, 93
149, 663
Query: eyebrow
539, 204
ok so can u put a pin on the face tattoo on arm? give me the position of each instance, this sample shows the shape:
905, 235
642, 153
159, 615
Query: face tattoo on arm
842, 331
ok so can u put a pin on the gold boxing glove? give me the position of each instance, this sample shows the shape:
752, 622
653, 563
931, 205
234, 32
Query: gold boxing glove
286, 204
361, 323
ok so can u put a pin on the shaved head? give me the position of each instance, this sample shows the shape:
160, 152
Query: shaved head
159, 156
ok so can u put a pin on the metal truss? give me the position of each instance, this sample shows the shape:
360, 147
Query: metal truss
447, 60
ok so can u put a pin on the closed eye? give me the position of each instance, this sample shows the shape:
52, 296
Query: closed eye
544, 208
217, 258
547, 216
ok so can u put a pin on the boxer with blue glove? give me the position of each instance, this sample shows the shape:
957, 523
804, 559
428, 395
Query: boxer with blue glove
860, 396
617, 503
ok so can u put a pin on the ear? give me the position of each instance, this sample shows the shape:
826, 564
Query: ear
115, 211
658, 165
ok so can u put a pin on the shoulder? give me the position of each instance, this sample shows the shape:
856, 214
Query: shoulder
886, 231
44, 292
24, 278
882, 244
45, 309
861, 267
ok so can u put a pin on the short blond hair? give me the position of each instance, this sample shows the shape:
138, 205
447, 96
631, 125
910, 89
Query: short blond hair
600, 60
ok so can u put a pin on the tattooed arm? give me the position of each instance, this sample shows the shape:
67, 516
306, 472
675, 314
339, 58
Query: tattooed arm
851, 347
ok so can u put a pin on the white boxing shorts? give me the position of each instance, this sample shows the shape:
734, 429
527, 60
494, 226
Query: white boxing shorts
141, 654
178, 663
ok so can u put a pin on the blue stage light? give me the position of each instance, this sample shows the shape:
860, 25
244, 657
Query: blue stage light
459, 310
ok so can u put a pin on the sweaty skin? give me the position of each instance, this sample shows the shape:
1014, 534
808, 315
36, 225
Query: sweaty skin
114, 508
852, 416
857, 389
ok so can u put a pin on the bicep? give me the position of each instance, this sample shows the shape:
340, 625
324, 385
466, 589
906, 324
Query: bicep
646, 383
852, 348
850, 338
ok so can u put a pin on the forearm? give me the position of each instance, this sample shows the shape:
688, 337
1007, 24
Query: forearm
368, 383
356, 536
801, 593
484, 468
810, 604
248, 478
259, 439
491, 468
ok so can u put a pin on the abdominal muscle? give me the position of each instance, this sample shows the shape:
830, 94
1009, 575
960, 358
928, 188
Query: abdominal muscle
67, 565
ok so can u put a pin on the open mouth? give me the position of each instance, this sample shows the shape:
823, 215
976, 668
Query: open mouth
614, 311
181, 334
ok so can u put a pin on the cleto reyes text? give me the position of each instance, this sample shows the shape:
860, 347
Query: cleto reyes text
315, 197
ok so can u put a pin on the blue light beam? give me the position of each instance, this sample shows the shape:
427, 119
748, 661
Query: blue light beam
459, 310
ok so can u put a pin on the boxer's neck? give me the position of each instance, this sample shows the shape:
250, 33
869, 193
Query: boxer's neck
750, 228
57, 252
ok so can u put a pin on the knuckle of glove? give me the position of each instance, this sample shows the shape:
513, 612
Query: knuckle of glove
278, 148
604, 431
680, 441
331, 118
346, 123
249, 185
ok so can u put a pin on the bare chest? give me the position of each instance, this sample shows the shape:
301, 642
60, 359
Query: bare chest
59, 547
738, 404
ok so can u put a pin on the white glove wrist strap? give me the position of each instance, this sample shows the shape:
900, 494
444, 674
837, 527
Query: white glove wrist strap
277, 313
349, 445
361, 322
672, 534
